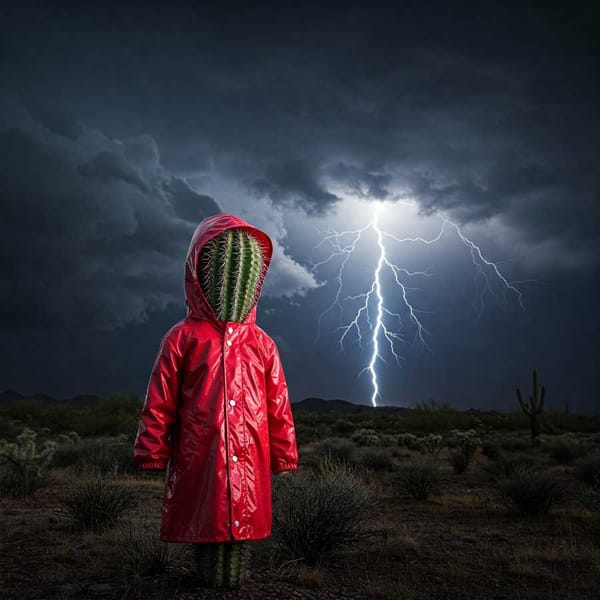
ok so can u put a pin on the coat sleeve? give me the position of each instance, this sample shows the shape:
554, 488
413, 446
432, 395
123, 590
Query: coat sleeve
282, 433
151, 449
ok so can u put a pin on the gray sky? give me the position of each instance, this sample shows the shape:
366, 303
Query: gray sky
124, 125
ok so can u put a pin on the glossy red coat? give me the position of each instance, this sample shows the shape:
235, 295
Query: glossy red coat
216, 415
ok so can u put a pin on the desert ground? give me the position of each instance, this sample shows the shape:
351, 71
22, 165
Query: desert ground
426, 503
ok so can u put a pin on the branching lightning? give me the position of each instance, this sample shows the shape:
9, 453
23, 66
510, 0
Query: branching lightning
344, 244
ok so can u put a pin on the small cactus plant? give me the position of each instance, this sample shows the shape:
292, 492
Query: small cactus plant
366, 437
467, 442
432, 444
408, 440
27, 464
533, 408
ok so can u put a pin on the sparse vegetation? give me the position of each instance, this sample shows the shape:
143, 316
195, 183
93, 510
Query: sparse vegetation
24, 465
377, 459
366, 437
420, 477
588, 469
140, 552
339, 449
399, 531
530, 490
432, 444
467, 443
567, 448
409, 441
97, 504
505, 466
312, 515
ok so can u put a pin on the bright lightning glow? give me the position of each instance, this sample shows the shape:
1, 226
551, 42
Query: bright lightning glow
381, 330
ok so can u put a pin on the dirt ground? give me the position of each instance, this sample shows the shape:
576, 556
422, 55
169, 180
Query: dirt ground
463, 544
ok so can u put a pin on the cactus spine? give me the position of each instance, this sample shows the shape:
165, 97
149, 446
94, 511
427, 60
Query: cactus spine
533, 408
231, 268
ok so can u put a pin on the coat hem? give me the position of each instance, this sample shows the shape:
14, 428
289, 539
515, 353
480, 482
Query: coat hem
195, 539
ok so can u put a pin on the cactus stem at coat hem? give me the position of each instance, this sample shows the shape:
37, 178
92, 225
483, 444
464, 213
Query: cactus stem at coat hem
221, 564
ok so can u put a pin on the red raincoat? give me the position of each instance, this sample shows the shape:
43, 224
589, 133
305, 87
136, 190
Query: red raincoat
216, 415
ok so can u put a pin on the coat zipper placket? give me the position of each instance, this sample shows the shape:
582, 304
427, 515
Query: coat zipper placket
229, 522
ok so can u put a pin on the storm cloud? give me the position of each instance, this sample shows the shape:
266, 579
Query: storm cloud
123, 126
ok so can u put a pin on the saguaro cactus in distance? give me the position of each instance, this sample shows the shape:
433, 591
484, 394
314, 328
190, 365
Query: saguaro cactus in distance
533, 408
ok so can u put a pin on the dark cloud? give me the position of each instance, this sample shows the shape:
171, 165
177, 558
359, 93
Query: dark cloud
367, 184
295, 183
119, 126
93, 234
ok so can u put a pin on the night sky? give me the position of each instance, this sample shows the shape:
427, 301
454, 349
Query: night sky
122, 125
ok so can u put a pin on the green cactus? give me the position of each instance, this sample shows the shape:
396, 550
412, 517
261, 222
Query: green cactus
408, 440
432, 444
533, 408
231, 267
26, 463
366, 437
467, 443
221, 564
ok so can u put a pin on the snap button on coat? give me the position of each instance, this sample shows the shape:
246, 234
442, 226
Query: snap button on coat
184, 425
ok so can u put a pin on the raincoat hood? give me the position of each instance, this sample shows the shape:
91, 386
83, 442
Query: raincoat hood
198, 306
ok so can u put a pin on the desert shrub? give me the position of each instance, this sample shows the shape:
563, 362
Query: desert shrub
491, 450
377, 459
366, 437
451, 441
566, 449
397, 452
321, 430
420, 477
337, 448
467, 443
140, 551
505, 466
408, 440
388, 440
110, 456
68, 447
513, 444
304, 433
459, 461
588, 468
590, 497
97, 503
24, 465
315, 514
431, 444
530, 490
342, 427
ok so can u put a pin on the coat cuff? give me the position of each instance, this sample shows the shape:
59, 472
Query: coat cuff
157, 464
283, 465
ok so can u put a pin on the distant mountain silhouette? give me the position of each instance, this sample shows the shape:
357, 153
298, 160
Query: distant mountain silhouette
8, 396
308, 404
340, 406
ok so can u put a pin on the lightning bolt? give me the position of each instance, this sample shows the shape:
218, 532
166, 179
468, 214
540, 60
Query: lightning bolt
344, 244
